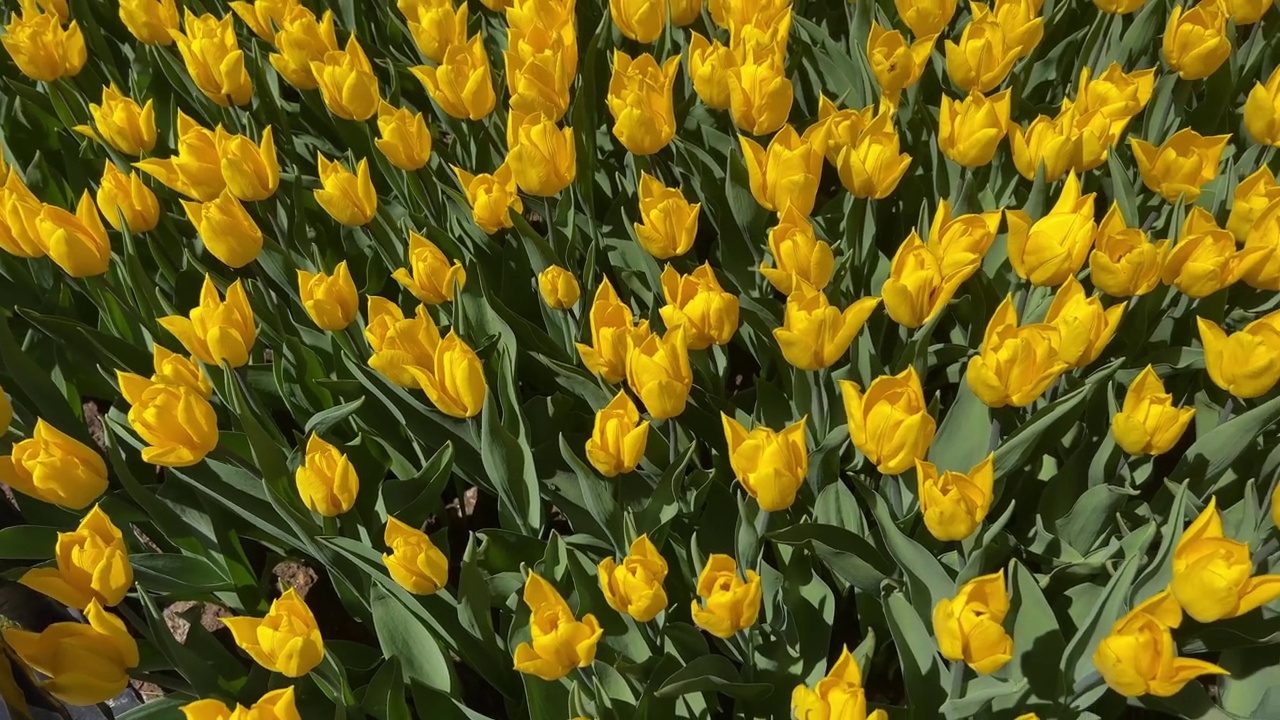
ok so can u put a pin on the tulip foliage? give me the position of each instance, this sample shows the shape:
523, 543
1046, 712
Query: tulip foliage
642, 359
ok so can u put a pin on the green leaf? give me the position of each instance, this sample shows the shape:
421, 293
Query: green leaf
1252, 689
598, 496
712, 673
27, 542
164, 708
185, 575
1019, 445
402, 636
327, 418
1037, 637
964, 434
846, 554
927, 582
922, 667
981, 692
1212, 453
384, 696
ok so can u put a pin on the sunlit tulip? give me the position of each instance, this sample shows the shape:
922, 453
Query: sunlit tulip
1149, 423
787, 173
1264, 238
462, 84
437, 25
1014, 365
916, 289
729, 603
558, 287
331, 301
275, 705
1195, 40
838, 695
55, 468
970, 130
84, 663
797, 253
287, 640
1206, 259
1084, 326
640, 20
844, 126
429, 275
1245, 363
709, 66
618, 438
729, 13
658, 372
814, 335
961, 241
1139, 657
969, 625
214, 59
1118, 96
348, 197
1262, 111
1251, 198
121, 123
454, 382
264, 16
613, 331
226, 229
1123, 262
1046, 143
1213, 575
301, 41
251, 170
1247, 12
1181, 165
872, 166
326, 480
400, 343
634, 587
770, 465
176, 421
347, 83
92, 564
216, 331
404, 138
77, 243
669, 222
983, 57
150, 21
19, 209
890, 423
545, 159
926, 17
953, 503
125, 199
697, 303
39, 45
415, 563
896, 64
760, 96
639, 100
539, 82
492, 197
196, 171
1053, 248
559, 642
1020, 22
174, 369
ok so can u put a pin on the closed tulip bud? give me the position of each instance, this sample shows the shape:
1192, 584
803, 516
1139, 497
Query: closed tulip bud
1195, 40
1252, 196
1124, 262
961, 242
216, 331
640, 20
969, 625
462, 84
896, 64
640, 101
214, 58
916, 289
559, 288
430, 277
709, 66
492, 197
954, 504
1262, 111
1053, 248
398, 343
176, 421
1181, 165
1264, 239
77, 243
286, 641
1119, 7
436, 26
1139, 657
983, 57
348, 197
121, 123
251, 171
264, 16
53, 467
174, 369
544, 159
658, 372
1205, 258
1021, 24
92, 564
40, 47
1213, 575
618, 439
331, 301
728, 603
635, 586
770, 465
814, 335
1149, 423
890, 424
1245, 363
347, 83
760, 95
226, 228
613, 331
1084, 326
1046, 143
559, 642
19, 210
275, 705
798, 253
838, 695
327, 482
670, 223
455, 382
404, 139
873, 166
414, 562
85, 663
1014, 365
301, 41
926, 17
124, 199
970, 130
786, 174
196, 171
150, 20
1247, 12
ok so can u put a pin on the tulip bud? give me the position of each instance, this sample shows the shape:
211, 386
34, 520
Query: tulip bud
347, 83
404, 139
770, 465
461, 85
1213, 575
1264, 239
838, 695
1045, 142
890, 424
40, 47
697, 303
1252, 196
926, 17
121, 123
251, 171
331, 301
1195, 40
640, 20
92, 564
969, 625
1262, 111
559, 288
176, 421
1014, 365
799, 254
896, 65
53, 467
617, 442
414, 562
1021, 24
275, 705
286, 641
916, 289
196, 171
226, 228
561, 642
729, 604
492, 197
954, 504
214, 58
670, 223
1119, 7
1206, 260
760, 95
1051, 249
327, 482
871, 167
612, 333
455, 382
150, 21
983, 57
348, 197
436, 26
658, 372
86, 663
19, 209
539, 83
263, 16
640, 101
1181, 165
174, 369
1139, 657
1246, 363
970, 130
433, 279
1084, 327
125, 200
1149, 423
216, 331
635, 586
301, 41
814, 335
398, 343
77, 243
544, 158
1123, 262
710, 64
961, 242
788, 172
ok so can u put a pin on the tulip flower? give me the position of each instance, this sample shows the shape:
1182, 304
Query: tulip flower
788, 172
1103, 107
969, 625
436, 26
348, 197
916, 289
544, 160
461, 85
890, 424
728, 13
1181, 165
92, 565
961, 242
814, 335
326, 480
770, 465
121, 123
174, 369
540, 81
1245, 363
404, 139
39, 45
251, 171
454, 382
398, 343
214, 58
415, 563
612, 333
1251, 198
669, 222
658, 372
639, 20
983, 57
430, 277
559, 642
1084, 326
618, 439
1262, 111
226, 228
1020, 22
492, 197
1264, 239
954, 504
1195, 40
970, 130
896, 64
838, 695
1206, 260
685, 12
125, 200
872, 166
264, 16
1051, 249
697, 303
798, 253
196, 171
85, 663
1119, 7
1149, 423
1213, 575
559, 288
275, 705
301, 41
331, 301
728, 603
710, 64
176, 421
347, 83
1045, 142
844, 126
1124, 262
1139, 657
150, 21
1014, 365
19, 209
286, 641
640, 101
217, 331
635, 586
77, 243
926, 17
1247, 12
760, 96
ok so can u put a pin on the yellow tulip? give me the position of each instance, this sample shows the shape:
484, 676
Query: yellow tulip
121, 123
559, 642
762, 38
1124, 262
640, 20
347, 83
404, 139
150, 21
252, 171
685, 12
226, 228
124, 199
658, 372
618, 438
1213, 575
77, 243
1247, 12
697, 303
760, 96
814, 335
961, 241
174, 369
1139, 657
1014, 365
1149, 423
896, 64
1195, 40
559, 288
92, 564
1245, 363
770, 465
19, 209
786, 174
398, 343
264, 16
983, 57
670, 223
926, 17
970, 130
1020, 22
301, 41
326, 480
969, 625
216, 331
86, 663
544, 160
872, 166
1053, 248
730, 13
710, 64
954, 504
1119, 7
40, 47
214, 58
196, 171
430, 277
1262, 111
286, 641
728, 603
1084, 326
890, 424
492, 197
436, 26
1264, 238
349, 198
1252, 197
640, 101
1181, 165
635, 586
1102, 110
844, 126
331, 301
54, 467
838, 695
176, 421
613, 331
462, 84
275, 705
916, 289
415, 563
1045, 142
454, 382
1206, 260
539, 81
798, 253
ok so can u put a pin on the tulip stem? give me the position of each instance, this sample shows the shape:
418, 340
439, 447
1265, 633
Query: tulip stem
957, 680
818, 379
